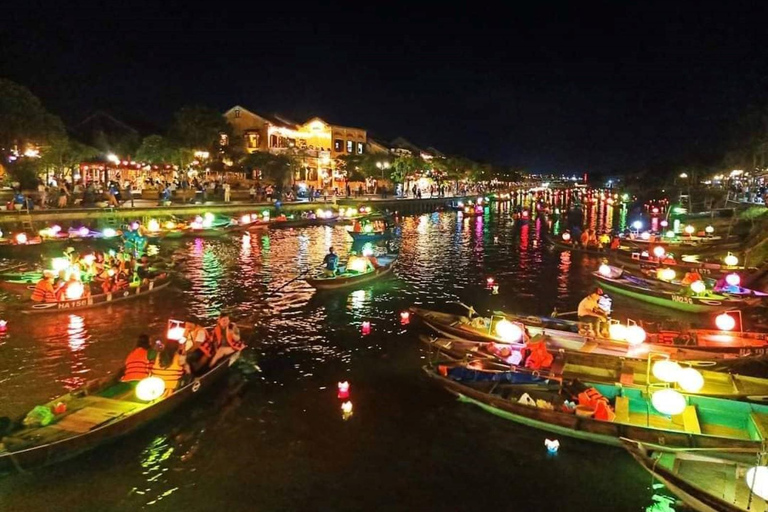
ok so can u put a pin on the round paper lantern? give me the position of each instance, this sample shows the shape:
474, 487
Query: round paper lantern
725, 322
668, 401
74, 290
150, 389
733, 279
667, 274
153, 225
709, 230
566, 236
659, 251
637, 225
509, 331
645, 235
690, 380
689, 229
666, 370
698, 287
731, 260
635, 335
605, 270
757, 480
617, 332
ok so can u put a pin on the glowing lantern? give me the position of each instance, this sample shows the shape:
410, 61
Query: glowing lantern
733, 279
668, 401
645, 235
358, 265
55, 229
366, 327
670, 234
74, 290
757, 480
509, 331
21, 238
209, 216
368, 228
245, 219
605, 270
60, 264
170, 225
346, 410
405, 317
552, 445
153, 225
460, 204
490, 281
566, 237
637, 225
659, 251
664, 223
731, 260
83, 231
150, 388
134, 225
495, 289
207, 221
525, 214
265, 214
667, 274
108, 233
698, 287
3, 325
466, 209
617, 332
666, 370
635, 335
89, 259
654, 210
495, 239
690, 380
175, 333
343, 389
725, 322
709, 230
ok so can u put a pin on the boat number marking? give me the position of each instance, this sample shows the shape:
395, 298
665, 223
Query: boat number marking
680, 298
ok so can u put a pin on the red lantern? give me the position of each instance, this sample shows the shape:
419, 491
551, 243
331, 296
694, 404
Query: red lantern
490, 282
366, 328
405, 318
343, 390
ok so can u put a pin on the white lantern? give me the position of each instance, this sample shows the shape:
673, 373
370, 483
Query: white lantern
645, 235
690, 380
689, 229
617, 332
508, 331
666, 370
150, 389
667, 274
731, 260
605, 270
635, 335
698, 287
709, 230
733, 279
757, 480
725, 322
670, 234
668, 401
659, 251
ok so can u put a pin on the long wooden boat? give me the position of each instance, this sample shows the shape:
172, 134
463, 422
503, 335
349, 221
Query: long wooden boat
694, 344
708, 267
303, 223
94, 415
604, 369
705, 423
93, 301
561, 245
614, 279
347, 279
651, 275
705, 481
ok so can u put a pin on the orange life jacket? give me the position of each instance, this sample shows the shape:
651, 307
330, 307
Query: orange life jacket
171, 374
540, 358
137, 365
592, 398
44, 292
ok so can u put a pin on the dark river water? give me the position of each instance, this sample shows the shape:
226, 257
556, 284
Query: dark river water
276, 440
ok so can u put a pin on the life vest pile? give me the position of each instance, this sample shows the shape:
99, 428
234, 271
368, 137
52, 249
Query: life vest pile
592, 398
539, 358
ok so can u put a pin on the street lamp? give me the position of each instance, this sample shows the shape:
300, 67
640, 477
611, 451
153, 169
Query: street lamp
382, 166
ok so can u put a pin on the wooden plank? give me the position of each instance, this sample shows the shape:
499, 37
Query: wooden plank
760, 421
622, 409
691, 420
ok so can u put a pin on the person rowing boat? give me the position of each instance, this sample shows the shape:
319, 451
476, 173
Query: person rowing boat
591, 313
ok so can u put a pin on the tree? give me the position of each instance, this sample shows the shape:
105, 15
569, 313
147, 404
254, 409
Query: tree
23, 119
64, 155
404, 166
199, 128
156, 149
277, 168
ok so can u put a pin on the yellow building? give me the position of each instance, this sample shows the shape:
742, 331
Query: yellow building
317, 143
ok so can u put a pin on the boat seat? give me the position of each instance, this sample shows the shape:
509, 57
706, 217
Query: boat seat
622, 409
760, 421
690, 420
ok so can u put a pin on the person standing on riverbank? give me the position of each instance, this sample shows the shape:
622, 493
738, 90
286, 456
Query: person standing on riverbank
226, 188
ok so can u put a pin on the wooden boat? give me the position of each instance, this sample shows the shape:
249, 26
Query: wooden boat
103, 299
346, 279
369, 237
690, 263
303, 223
99, 412
616, 280
561, 245
705, 423
693, 344
605, 369
651, 275
706, 481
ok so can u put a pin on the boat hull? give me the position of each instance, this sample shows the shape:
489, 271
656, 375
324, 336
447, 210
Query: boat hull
97, 300
338, 283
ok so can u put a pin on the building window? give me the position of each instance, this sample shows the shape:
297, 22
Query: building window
237, 113
350, 146
359, 148
273, 140
253, 140
338, 145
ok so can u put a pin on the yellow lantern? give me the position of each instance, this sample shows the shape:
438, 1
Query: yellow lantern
508, 331
690, 380
150, 388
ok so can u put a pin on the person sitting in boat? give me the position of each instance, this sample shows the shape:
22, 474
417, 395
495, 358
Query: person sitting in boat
138, 364
117, 280
226, 339
584, 239
44, 291
590, 312
331, 262
615, 243
690, 277
357, 227
592, 239
368, 253
604, 241
168, 366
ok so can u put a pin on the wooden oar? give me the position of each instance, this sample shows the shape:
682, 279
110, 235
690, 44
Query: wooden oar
294, 279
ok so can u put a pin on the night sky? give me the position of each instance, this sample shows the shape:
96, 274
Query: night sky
566, 87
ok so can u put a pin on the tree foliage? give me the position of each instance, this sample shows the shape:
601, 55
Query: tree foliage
275, 168
23, 119
198, 128
64, 154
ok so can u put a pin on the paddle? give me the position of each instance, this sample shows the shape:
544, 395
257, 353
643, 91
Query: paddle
302, 274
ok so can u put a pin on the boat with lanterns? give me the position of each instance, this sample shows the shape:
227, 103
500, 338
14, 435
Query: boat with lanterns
99, 412
77, 298
707, 480
730, 284
660, 418
658, 256
689, 377
566, 243
727, 347
357, 273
